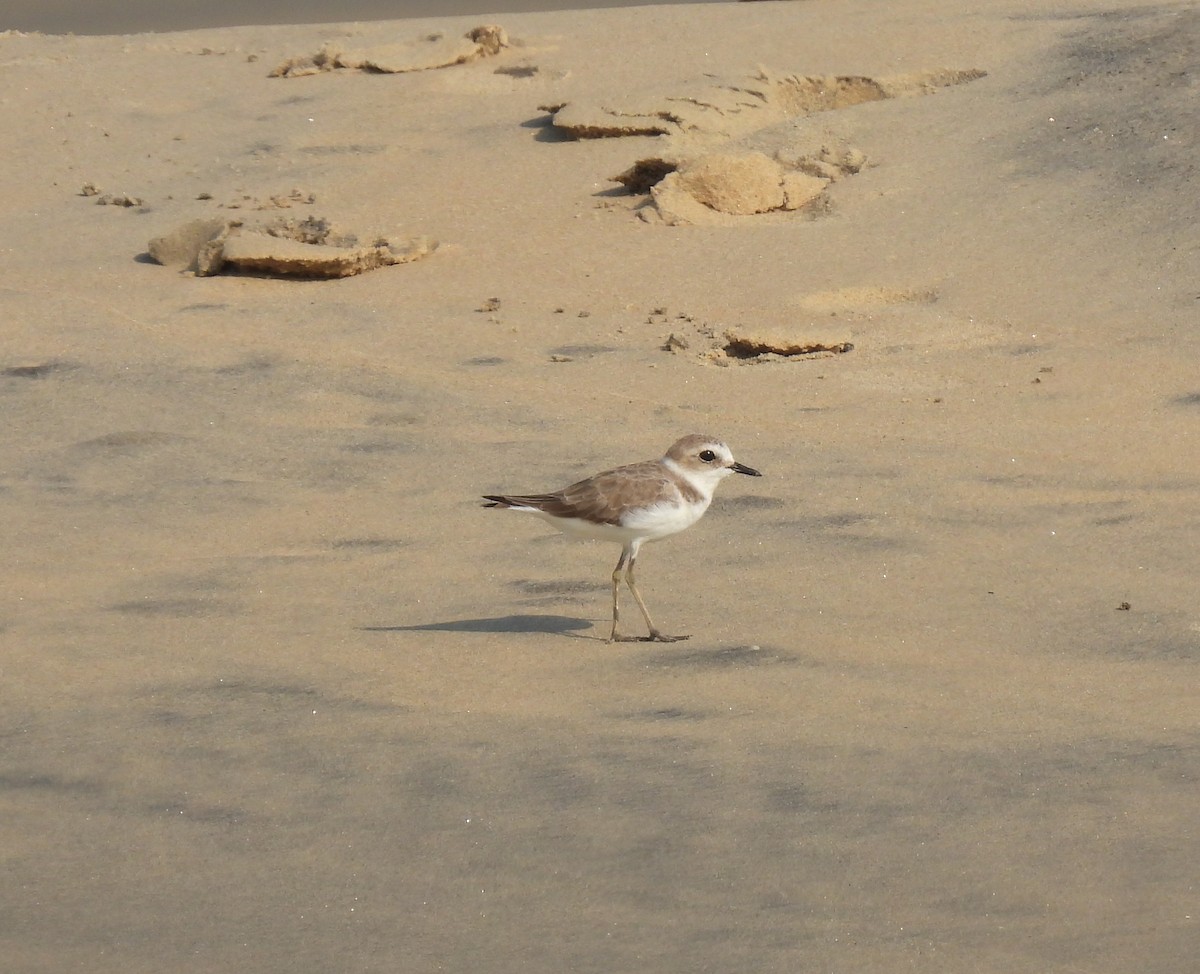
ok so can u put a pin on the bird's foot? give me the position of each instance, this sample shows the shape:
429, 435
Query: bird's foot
654, 637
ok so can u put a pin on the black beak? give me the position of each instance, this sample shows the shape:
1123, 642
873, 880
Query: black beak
742, 468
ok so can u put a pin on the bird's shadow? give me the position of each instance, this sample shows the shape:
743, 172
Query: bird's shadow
559, 625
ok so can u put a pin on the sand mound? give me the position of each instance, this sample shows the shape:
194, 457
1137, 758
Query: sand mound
732, 185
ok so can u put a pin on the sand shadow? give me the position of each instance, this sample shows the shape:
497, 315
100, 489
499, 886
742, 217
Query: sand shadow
544, 130
512, 623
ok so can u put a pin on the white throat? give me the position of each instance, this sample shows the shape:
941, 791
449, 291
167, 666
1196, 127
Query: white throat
704, 482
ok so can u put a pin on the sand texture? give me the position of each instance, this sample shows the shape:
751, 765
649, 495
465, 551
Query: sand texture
278, 695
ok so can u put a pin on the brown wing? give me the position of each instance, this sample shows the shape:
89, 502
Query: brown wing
604, 498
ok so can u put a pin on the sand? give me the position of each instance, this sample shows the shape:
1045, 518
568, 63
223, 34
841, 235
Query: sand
278, 695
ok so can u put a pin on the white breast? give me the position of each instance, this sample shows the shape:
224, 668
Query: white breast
665, 518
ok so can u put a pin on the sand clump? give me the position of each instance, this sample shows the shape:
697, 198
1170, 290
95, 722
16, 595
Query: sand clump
733, 185
288, 248
102, 198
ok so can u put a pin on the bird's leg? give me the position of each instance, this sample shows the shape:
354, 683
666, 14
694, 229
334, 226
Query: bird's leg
655, 636
616, 580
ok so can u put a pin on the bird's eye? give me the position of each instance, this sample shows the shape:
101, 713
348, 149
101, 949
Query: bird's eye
707, 456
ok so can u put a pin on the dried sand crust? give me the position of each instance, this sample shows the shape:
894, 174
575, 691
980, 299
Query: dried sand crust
427, 53
305, 249
264, 254
732, 108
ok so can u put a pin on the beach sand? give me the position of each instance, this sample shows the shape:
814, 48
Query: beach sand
278, 695
140, 16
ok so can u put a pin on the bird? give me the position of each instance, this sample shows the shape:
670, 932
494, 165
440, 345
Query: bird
634, 504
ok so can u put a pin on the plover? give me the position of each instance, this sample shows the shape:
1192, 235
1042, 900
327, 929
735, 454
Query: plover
634, 504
